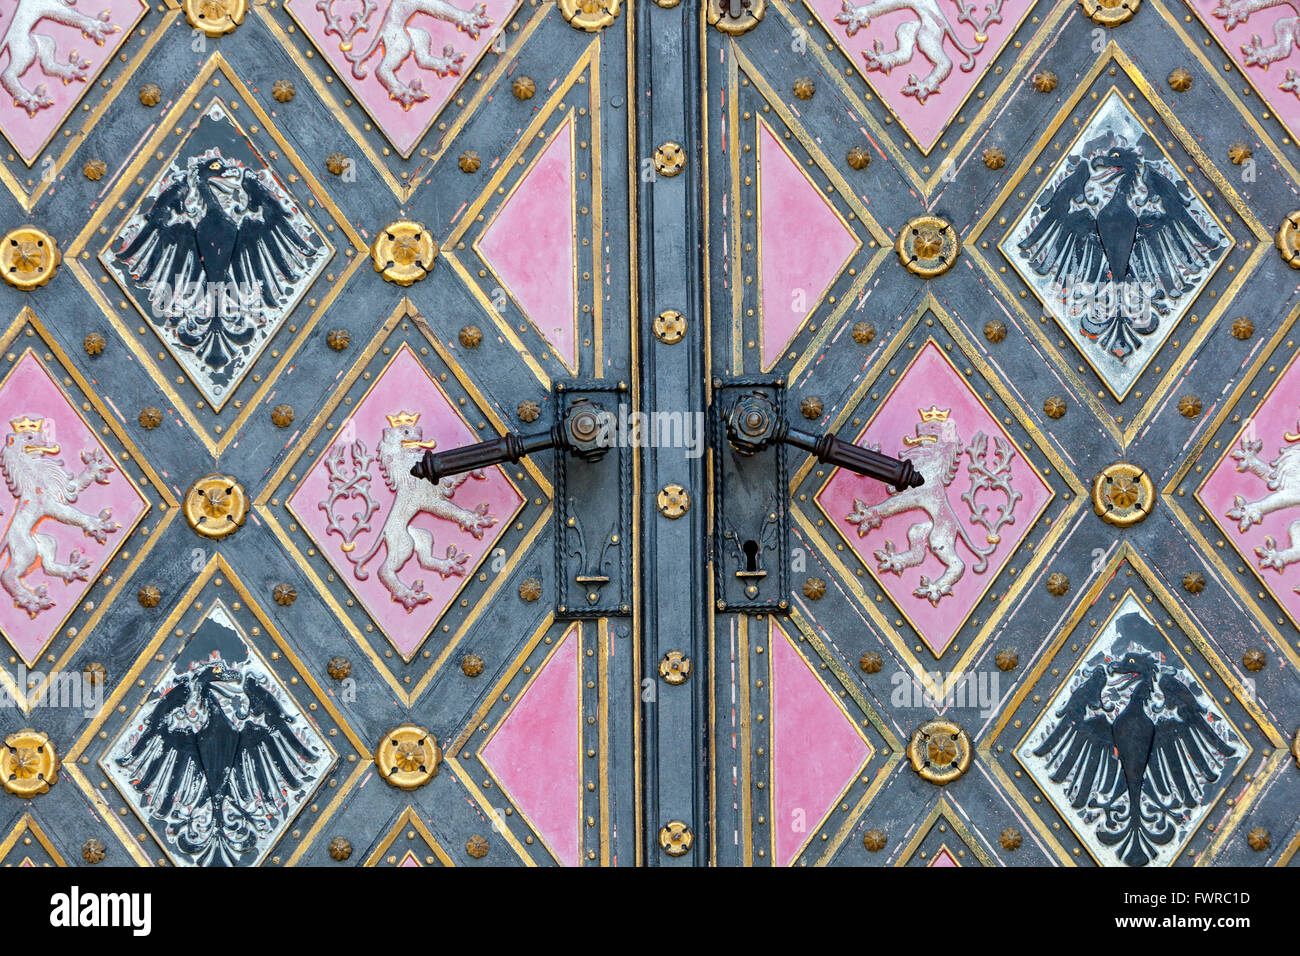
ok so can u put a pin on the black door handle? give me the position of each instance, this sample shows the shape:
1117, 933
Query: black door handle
583, 433
752, 425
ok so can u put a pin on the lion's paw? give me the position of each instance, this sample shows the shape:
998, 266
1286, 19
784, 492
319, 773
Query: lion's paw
932, 591
890, 559
33, 602
479, 520
1244, 513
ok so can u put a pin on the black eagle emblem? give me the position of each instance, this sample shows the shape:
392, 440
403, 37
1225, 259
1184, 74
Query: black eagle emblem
1119, 241
222, 226
216, 761
1134, 748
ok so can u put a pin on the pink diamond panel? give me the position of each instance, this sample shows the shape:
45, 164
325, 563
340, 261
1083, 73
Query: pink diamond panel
535, 752
402, 61
1260, 37
1253, 493
67, 507
925, 546
47, 64
530, 246
816, 748
401, 544
921, 57
803, 244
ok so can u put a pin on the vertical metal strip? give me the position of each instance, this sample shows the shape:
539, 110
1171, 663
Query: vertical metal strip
675, 584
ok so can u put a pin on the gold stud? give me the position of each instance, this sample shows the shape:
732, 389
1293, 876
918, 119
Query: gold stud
471, 336
1044, 81
338, 668
871, 662
523, 87
1007, 659
94, 169
150, 94
1010, 839
94, 343
1180, 81
336, 163
340, 848
28, 763
675, 668
149, 595
1239, 152
215, 17
670, 326
994, 158
530, 589
282, 416
29, 257
1242, 328
1254, 659
469, 162
673, 501
940, 751
283, 91
811, 407
477, 846
528, 410
472, 665
339, 339
670, 159
1193, 582
216, 506
93, 851
403, 252
995, 331
928, 246
408, 757
284, 594
150, 418
858, 158
864, 333
589, 15
874, 840
675, 838
804, 88
814, 589
1054, 407
1123, 494
1057, 583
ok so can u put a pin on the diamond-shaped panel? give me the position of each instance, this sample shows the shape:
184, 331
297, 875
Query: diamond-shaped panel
52, 52
403, 61
530, 246
1260, 35
923, 59
535, 752
219, 758
1117, 244
817, 749
935, 549
68, 510
404, 546
1132, 748
803, 245
1253, 492
217, 254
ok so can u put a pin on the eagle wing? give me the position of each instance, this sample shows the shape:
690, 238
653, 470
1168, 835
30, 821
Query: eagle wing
164, 763
166, 249
269, 254
1080, 750
1064, 243
269, 759
1171, 248
1186, 753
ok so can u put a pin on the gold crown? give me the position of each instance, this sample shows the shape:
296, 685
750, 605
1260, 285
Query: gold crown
25, 424
403, 418
934, 414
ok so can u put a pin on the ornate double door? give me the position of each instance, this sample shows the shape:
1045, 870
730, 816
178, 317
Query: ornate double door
267, 263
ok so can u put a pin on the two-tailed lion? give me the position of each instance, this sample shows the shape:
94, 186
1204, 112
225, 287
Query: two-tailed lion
43, 490
402, 445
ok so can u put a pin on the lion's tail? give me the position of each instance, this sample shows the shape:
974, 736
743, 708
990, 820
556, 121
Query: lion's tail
983, 556
358, 60
359, 564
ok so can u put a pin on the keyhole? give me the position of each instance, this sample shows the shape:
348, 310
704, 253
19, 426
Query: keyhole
750, 548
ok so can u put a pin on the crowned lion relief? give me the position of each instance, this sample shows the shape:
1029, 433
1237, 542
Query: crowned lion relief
27, 48
400, 447
1281, 477
44, 490
401, 40
925, 35
935, 449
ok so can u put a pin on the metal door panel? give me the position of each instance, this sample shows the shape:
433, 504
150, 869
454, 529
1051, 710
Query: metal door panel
297, 415
968, 684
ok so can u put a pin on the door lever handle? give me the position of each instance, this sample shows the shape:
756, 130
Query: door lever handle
582, 433
752, 425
